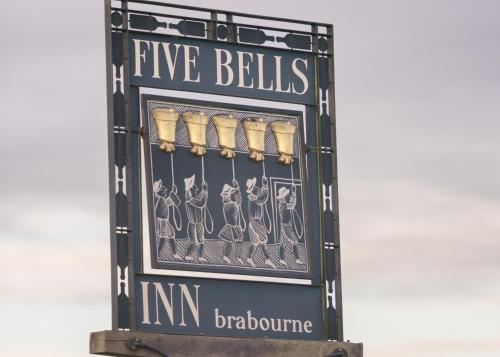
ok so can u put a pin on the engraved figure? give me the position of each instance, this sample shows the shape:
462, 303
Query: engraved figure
257, 216
232, 231
163, 201
290, 222
198, 217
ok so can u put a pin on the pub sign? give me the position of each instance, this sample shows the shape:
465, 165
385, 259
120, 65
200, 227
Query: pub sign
224, 216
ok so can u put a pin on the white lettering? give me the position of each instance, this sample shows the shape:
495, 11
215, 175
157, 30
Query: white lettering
195, 311
166, 303
240, 323
252, 321
278, 76
188, 61
244, 67
261, 324
260, 69
308, 326
285, 323
229, 319
278, 329
297, 326
156, 60
220, 320
301, 75
145, 303
220, 64
247, 63
140, 57
171, 62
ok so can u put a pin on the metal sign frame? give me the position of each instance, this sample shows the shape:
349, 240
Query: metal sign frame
124, 129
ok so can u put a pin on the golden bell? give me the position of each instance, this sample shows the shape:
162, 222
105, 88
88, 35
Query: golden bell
226, 131
196, 124
165, 120
255, 131
284, 132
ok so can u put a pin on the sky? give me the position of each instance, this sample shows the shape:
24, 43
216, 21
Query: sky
418, 125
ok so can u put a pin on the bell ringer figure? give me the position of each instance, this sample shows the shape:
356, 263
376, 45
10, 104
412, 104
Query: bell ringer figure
197, 214
163, 200
289, 221
232, 231
257, 216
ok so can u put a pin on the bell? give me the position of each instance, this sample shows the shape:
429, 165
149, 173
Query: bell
255, 131
165, 120
196, 124
226, 131
284, 132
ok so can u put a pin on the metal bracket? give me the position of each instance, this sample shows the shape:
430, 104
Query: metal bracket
135, 343
339, 352
322, 149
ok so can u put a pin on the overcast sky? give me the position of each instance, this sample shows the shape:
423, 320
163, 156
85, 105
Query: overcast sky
418, 108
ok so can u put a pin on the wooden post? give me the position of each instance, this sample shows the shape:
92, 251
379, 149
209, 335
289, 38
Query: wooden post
121, 343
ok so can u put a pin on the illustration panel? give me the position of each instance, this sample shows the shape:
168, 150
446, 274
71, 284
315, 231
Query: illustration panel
225, 189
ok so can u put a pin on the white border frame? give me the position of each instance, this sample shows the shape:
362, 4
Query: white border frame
146, 253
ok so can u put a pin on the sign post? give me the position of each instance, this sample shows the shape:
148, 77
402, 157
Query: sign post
223, 184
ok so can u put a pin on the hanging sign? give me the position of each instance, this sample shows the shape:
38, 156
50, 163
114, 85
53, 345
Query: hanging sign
222, 215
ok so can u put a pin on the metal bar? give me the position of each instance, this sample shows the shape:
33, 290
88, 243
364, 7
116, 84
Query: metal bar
243, 44
135, 343
135, 196
212, 26
128, 123
314, 148
318, 148
335, 191
241, 14
232, 34
171, 16
142, 12
111, 165
300, 32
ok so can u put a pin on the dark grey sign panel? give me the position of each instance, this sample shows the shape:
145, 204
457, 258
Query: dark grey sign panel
228, 308
205, 211
218, 68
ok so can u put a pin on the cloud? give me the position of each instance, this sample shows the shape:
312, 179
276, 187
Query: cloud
64, 271
433, 348
406, 241
393, 326
47, 216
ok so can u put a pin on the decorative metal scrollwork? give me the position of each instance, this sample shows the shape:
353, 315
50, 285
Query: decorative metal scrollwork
145, 22
190, 28
254, 36
302, 42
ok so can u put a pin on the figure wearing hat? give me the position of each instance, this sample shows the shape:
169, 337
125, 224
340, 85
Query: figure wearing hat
257, 199
232, 232
196, 210
288, 229
163, 201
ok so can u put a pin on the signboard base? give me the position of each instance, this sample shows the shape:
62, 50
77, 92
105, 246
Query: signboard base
145, 344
